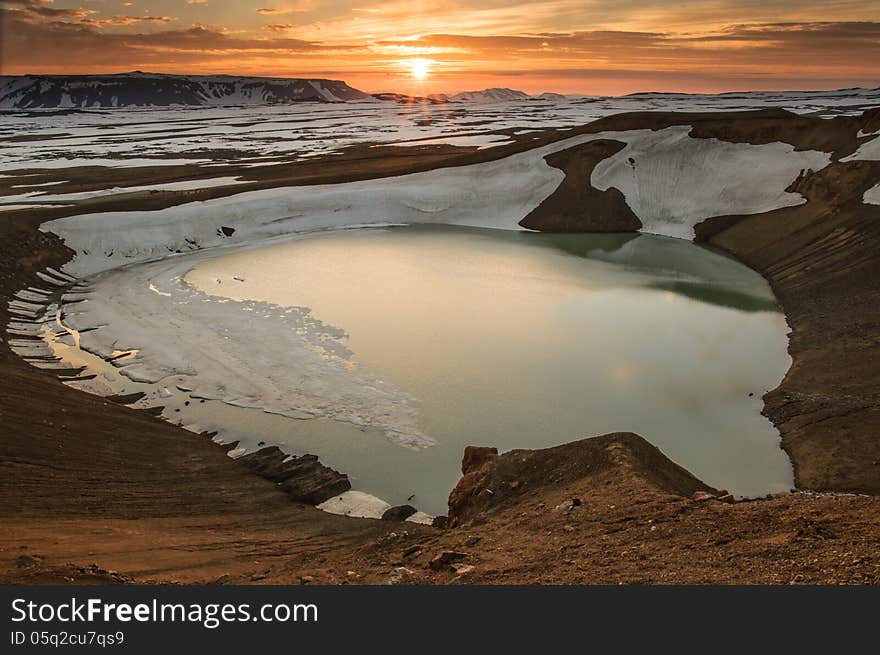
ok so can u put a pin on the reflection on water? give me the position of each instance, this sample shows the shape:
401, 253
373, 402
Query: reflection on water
526, 340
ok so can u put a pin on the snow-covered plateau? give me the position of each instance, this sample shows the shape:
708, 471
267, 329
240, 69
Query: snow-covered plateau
251, 135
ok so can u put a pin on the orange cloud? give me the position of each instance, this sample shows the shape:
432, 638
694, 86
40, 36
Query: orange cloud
566, 45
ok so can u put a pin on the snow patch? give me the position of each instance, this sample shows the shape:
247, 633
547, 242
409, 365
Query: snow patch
870, 150
355, 503
673, 181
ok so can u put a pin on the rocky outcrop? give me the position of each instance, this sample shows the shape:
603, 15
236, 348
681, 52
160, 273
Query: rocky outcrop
398, 513
302, 478
476, 465
491, 481
157, 90
579, 207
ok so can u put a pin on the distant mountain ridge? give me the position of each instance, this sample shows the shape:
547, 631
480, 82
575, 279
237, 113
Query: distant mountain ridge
486, 95
139, 89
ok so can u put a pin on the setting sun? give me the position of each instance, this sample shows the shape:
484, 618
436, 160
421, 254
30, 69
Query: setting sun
419, 68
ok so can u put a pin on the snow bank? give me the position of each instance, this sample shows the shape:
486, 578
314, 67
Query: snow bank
674, 182
493, 194
872, 195
356, 503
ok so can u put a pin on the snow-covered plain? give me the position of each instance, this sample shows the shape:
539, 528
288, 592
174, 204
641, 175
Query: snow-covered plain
137, 137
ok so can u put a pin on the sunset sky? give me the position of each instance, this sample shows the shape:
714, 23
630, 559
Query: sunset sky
415, 46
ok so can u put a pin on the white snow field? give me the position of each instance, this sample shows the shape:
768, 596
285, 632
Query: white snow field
869, 150
676, 182
872, 195
672, 181
48, 139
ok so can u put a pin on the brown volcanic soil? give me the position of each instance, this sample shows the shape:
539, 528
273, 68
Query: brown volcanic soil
84, 480
636, 524
576, 206
823, 261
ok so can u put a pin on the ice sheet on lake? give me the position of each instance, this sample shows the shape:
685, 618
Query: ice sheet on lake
233, 350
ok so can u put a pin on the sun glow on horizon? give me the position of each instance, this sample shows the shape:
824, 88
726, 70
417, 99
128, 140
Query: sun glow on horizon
419, 68
565, 46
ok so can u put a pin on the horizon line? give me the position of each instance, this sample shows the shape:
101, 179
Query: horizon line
428, 94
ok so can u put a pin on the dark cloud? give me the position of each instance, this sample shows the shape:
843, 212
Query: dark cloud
39, 8
810, 34
37, 45
855, 44
279, 27
125, 20
268, 11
